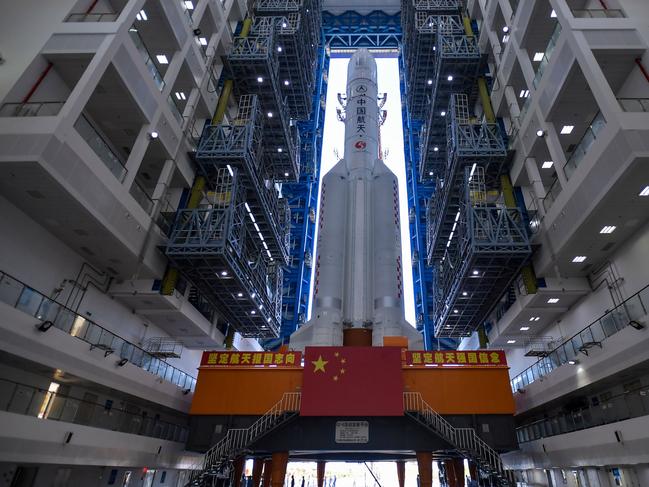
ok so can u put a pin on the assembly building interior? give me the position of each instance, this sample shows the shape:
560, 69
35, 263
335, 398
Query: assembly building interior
187, 298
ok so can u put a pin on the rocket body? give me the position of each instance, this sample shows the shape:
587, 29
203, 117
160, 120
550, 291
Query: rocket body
358, 275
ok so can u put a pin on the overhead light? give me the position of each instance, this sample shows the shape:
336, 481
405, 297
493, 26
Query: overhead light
270, 114
189, 5
505, 29
443, 113
430, 173
180, 95
553, 300
509, 342
573, 362
476, 272
567, 129
154, 135
645, 191
430, 81
525, 328
505, 38
553, 14
455, 311
141, 15
435, 149
260, 79
253, 312
286, 82
239, 295
579, 258
279, 48
608, 229
464, 293
224, 273
279, 149
285, 174
547, 164
540, 133
284, 25
524, 94
450, 77
162, 59
538, 56
203, 41
535, 318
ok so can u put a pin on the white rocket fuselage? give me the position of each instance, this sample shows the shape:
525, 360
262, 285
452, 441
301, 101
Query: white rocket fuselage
358, 275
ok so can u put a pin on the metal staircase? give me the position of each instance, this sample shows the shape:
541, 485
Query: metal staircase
236, 441
464, 440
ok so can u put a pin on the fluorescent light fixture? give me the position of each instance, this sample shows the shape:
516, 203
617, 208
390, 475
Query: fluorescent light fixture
430, 81
270, 114
435, 149
464, 293
525, 328
279, 149
279, 48
553, 14
567, 129
645, 191
579, 258
162, 59
547, 164
538, 56
180, 95
240, 295
141, 15
443, 113
524, 94
455, 311
509, 342
573, 362
608, 229
553, 300
450, 77
189, 5
232, 174
535, 318
285, 174
253, 312
260, 79
286, 82
202, 41
224, 273
476, 272
430, 173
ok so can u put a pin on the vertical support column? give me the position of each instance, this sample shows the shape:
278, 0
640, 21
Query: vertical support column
257, 468
268, 469
473, 472
239, 463
401, 473
425, 465
279, 462
454, 472
321, 472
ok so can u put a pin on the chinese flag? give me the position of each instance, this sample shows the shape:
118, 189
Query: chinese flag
352, 381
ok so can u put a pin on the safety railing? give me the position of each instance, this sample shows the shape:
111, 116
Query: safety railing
17, 294
140, 195
31, 109
584, 145
552, 43
100, 147
627, 313
148, 59
238, 439
92, 17
552, 194
24, 399
634, 104
598, 13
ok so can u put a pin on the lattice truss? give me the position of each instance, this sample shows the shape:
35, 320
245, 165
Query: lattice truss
215, 248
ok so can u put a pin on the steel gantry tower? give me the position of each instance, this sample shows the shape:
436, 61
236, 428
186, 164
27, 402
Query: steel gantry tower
475, 237
243, 227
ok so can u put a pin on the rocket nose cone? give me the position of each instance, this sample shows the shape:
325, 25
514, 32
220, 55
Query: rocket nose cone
362, 65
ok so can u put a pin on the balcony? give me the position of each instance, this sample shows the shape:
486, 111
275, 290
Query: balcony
33, 109
597, 13
110, 157
53, 314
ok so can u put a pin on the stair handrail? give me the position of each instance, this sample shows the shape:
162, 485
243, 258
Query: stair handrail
464, 439
237, 439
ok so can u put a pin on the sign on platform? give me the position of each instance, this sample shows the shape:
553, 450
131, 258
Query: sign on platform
352, 432
477, 358
251, 359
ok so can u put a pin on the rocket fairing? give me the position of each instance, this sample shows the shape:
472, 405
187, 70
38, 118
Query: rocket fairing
358, 275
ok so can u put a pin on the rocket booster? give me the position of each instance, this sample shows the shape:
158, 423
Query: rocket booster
358, 275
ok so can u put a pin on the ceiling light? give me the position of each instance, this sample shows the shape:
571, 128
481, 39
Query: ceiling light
162, 59
476, 272
189, 5
608, 229
567, 129
464, 293
524, 94
279, 149
553, 300
203, 41
430, 81
224, 273
284, 25
430, 173
279, 48
240, 295
253, 312
286, 82
509, 342
573, 362
270, 114
154, 135
443, 113
547, 164
260, 79
535, 318
455, 311
141, 15
540, 133
285, 174
645, 191
450, 77
435, 149
553, 14
525, 328
180, 95
505, 29
579, 258
538, 56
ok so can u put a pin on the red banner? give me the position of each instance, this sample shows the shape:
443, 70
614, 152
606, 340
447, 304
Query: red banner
456, 358
251, 359
352, 381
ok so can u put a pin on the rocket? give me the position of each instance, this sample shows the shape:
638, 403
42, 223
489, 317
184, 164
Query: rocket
358, 275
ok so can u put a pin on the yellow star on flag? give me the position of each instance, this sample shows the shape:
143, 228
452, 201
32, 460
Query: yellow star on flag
319, 364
